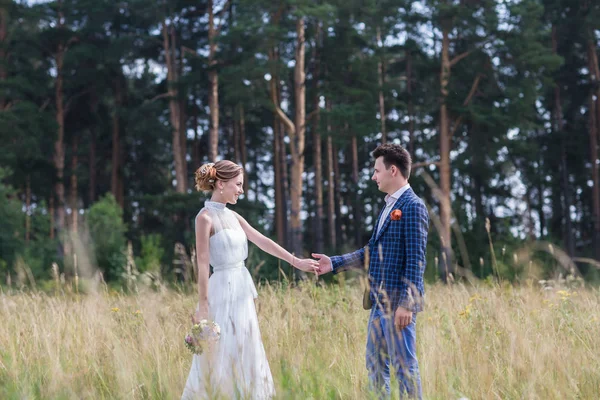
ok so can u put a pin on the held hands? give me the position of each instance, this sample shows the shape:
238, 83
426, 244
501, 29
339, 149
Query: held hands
324, 263
320, 266
305, 264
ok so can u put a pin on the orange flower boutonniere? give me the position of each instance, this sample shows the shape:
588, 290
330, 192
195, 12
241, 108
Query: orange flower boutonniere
396, 215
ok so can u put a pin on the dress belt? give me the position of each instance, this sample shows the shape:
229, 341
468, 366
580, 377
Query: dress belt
229, 266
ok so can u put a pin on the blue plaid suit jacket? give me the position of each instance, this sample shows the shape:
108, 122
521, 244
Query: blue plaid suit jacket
396, 256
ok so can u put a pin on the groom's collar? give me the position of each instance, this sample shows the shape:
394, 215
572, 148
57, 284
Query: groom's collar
396, 195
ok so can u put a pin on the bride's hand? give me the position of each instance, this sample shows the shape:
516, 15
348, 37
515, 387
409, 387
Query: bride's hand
199, 315
306, 264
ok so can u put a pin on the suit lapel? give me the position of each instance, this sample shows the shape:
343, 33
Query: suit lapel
377, 223
399, 203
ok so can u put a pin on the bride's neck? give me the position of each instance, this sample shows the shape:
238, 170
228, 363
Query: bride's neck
218, 199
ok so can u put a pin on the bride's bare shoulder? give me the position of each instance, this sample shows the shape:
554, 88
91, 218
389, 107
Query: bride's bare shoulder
203, 217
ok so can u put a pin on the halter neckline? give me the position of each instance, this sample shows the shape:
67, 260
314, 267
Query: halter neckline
214, 205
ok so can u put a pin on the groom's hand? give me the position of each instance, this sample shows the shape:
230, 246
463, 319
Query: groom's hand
324, 263
402, 318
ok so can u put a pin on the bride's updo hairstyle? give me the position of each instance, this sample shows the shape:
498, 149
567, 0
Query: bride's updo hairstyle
208, 174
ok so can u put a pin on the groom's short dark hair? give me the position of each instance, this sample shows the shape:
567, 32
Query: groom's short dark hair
394, 154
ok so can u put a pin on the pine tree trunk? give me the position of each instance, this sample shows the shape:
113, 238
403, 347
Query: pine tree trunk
74, 185
317, 150
235, 126
411, 106
340, 223
92, 166
540, 200
478, 161
51, 213
280, 214
296, 132
530, 224
213, 77
445, 259
594, 133
297, 140
174, 108
381, 80
243, 148
330, 185
3, 47
116, 144
318, 160
59, 145
279, 154
196, 149
568, 237
27, 209
556, 222
183, 142
357, 220
183, 121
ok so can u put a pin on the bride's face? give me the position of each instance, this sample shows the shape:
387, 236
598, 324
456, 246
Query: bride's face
233, 188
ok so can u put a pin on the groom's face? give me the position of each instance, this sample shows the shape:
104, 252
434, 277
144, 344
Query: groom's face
382, 176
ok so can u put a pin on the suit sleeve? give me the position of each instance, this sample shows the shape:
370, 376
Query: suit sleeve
347, 261
416, 227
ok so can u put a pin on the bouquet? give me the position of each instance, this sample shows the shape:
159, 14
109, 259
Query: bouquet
201, 335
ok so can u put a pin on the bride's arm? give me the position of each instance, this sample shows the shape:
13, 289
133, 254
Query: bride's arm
269, 246
203, 227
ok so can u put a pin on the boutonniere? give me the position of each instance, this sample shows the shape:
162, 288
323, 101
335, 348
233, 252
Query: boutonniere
396, 215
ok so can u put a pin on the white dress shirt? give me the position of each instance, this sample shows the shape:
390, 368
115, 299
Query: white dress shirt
390, 200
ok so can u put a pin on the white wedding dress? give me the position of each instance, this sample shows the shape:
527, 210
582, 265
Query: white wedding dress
237, 367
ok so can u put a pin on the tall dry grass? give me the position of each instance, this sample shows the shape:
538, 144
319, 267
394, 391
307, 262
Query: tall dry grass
480, 342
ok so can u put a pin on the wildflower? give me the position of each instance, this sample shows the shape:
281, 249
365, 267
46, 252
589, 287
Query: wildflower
475, 297
115, 309
564, 294
466, 312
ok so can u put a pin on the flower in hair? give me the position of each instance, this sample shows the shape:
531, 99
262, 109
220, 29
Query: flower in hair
204, 170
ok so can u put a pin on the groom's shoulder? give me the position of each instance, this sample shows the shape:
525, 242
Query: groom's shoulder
414, 200
415, 204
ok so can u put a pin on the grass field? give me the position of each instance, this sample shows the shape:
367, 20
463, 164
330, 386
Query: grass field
477, 342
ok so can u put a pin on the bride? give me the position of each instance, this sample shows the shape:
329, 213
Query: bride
237, 366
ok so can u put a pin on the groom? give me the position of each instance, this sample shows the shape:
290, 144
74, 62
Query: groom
397, 262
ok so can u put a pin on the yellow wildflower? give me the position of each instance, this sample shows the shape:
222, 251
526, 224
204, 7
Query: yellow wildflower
475, 297
466, 312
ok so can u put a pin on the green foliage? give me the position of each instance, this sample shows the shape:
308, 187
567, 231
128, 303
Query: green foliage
12, 232
507, 149
107, 231
151, 254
